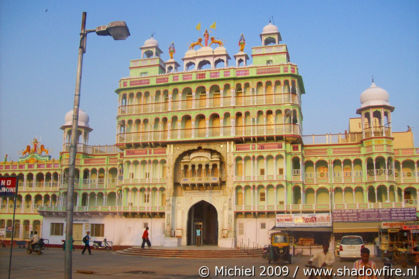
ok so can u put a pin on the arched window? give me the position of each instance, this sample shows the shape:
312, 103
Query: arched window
219, 63
190, 66
148, 54
270, 41
204, 64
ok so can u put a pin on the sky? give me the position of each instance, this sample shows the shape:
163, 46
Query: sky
337, 45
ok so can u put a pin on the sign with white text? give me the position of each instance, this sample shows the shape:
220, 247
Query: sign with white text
8, 186
304, 220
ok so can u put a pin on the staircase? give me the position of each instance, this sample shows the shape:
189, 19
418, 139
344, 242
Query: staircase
191, 253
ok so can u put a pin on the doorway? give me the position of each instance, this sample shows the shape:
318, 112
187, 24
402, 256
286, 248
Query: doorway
202, 224
78, 234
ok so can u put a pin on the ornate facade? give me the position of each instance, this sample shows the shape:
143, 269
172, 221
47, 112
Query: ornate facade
217, 148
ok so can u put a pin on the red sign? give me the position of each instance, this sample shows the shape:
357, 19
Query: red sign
8, 186
410, 227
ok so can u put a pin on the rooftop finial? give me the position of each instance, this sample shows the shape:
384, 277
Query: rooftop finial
372, 78
152, 34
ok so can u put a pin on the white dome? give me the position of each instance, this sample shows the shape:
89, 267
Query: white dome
83, 118
151, 42
220, 50
190, 53
270, 28
374, 96
204, 51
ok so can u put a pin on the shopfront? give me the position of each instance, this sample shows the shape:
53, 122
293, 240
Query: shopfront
367, 222
308, 231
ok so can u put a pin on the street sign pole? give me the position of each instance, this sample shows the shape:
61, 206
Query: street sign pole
6, 185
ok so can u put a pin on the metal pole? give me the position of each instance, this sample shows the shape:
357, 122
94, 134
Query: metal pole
72, 153
13, 232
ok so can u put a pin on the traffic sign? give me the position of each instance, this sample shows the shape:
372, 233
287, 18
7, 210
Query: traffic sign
8, 186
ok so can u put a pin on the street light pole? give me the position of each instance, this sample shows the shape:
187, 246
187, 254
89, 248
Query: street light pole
72, 153
119, 31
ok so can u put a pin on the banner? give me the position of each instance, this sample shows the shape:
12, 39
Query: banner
374, 215
8, 186
304, 220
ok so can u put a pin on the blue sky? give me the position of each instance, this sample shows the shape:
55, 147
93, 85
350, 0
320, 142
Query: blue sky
337, 45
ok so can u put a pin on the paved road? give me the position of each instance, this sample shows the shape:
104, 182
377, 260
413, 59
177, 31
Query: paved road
107, 264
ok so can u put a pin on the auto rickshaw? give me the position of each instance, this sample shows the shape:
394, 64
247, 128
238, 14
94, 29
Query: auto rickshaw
279, 249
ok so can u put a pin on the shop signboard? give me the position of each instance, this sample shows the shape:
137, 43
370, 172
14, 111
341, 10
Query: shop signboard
411, 227
8, 186
374, 215
304, 220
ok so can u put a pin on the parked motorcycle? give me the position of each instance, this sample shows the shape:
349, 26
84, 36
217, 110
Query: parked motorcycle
105, 244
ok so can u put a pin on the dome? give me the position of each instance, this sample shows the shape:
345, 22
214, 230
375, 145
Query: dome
270, 28
220, 50
190, 53
204, 51
151, 42
83, 118
374, 96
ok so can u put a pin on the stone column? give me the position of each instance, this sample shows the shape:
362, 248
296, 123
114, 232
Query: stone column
372, 123
222, 98
170, 98
388, 194
193, 100
382, 123
375, 176
233, 97
233, 126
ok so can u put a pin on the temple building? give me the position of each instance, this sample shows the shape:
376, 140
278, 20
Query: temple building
214, 154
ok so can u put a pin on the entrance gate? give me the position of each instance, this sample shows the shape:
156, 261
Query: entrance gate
202, 224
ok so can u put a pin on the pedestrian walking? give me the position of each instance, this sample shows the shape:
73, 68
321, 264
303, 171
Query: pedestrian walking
365, 266
86, 240
145, 238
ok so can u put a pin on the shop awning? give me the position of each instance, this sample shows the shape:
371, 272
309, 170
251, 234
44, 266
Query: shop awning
356, 227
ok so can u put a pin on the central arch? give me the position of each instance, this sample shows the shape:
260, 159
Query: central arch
203, 216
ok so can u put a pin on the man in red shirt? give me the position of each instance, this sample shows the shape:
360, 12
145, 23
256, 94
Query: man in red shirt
145, 239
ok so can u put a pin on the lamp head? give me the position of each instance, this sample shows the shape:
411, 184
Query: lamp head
117, 29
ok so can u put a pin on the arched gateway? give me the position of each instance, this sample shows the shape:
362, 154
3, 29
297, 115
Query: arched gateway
202, 224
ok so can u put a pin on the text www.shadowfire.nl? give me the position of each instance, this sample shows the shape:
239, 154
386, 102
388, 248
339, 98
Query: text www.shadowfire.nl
284, 271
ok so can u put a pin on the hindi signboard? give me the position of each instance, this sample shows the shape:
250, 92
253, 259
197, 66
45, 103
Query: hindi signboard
374, 215
8, 186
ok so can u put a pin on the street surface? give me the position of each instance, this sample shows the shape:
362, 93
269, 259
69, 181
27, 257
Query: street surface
108, 264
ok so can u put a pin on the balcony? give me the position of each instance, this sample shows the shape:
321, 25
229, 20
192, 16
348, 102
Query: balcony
381, 131
30, 186
105, 209
210, 103
332, 138
209, 133
195, 181
136, 181
92, 149
323, 207
91, 183
259, 178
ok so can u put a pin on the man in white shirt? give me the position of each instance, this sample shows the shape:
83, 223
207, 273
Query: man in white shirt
34, 239
324, 258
